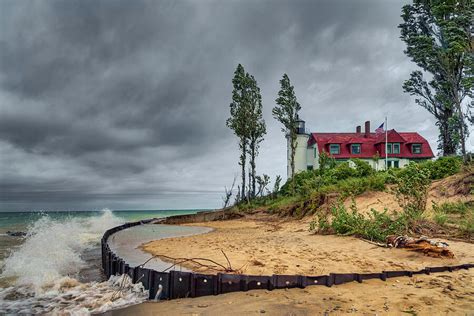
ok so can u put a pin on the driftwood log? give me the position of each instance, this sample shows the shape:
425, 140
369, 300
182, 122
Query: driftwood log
424, 245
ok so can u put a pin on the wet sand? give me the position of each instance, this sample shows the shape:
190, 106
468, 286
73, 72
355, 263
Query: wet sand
262, 244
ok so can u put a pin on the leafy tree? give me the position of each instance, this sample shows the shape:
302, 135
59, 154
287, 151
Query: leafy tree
238, 117
439, 39
286, 112
256, 127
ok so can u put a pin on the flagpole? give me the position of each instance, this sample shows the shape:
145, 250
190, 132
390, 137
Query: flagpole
386, 145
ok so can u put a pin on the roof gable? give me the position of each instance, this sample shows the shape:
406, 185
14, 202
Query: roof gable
392, 137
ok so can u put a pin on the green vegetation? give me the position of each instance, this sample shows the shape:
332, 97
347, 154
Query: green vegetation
322, 192
246, 121
439, 40
342, 180
411, 190
457, 215
376, 226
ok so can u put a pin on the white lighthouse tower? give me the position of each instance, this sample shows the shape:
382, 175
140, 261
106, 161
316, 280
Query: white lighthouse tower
301, 148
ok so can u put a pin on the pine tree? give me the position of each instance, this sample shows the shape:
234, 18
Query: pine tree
286, 112
439, 39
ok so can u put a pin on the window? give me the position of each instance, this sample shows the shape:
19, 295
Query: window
389, 164
393, 148
315, 152
309, 167
416, 149
396, 148
396, 164
334, 149
355, 149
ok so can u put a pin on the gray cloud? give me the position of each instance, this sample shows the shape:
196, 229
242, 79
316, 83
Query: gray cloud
122, 104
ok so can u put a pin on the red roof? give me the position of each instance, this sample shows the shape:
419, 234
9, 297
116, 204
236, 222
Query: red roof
372, 144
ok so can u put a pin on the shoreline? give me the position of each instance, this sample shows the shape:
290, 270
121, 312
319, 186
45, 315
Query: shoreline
263, 244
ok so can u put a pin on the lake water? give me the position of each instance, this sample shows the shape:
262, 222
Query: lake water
56, 267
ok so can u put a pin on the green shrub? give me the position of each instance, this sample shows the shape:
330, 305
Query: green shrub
459, 214
451, 208
411, 190
363, 169
342, 171
377, 181
326, 162
443, 167
467, 224
377, 226
440, 218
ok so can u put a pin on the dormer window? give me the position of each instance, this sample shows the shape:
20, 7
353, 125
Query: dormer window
334, 149
393, 148
355, 149
416, 148
396, 148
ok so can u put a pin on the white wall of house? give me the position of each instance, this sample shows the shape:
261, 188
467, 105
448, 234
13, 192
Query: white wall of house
380, 165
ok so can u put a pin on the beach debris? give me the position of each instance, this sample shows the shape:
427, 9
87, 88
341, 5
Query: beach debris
436, 249
210, 264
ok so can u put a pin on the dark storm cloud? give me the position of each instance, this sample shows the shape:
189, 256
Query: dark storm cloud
123, 103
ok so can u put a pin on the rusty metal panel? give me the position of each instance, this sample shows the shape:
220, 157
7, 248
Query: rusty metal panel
107, 264
131, 274
253, 282
144, 277
394, 274
286, 281
340, 278
121, 266
113, 264
180, 284
203, 284
160, 285
230, 283
437, 269
316, 280
368, 276
126, 267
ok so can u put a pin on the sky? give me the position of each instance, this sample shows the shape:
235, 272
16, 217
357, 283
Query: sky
122, 104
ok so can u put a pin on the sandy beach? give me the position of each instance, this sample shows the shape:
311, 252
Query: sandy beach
263, 244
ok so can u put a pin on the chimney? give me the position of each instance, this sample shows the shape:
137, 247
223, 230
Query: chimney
367, 128
358, 129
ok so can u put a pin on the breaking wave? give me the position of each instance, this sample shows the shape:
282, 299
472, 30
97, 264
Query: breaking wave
43, 273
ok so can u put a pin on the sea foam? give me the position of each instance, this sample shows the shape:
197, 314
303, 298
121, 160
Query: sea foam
46, 266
